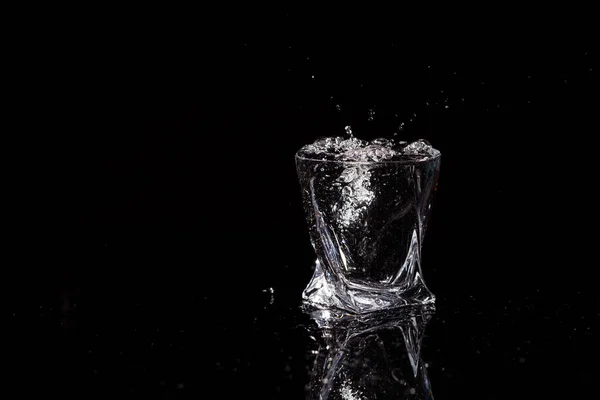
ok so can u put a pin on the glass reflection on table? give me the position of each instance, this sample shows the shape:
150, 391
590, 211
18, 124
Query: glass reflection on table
375, 356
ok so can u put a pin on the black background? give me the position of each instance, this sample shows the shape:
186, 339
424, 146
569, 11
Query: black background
170, 204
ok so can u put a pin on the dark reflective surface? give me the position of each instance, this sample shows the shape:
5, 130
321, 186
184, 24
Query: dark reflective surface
159, 319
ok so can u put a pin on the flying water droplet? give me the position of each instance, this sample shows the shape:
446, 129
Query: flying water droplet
348, 130
338, 107
371, 114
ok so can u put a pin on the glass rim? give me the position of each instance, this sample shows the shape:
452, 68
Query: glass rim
432, 158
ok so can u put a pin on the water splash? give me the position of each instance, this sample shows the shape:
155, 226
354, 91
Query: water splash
353, 149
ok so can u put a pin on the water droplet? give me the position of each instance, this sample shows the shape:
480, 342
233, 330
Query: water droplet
313, 76
401, 127
338, 107
446, 106
371, 114
429, 66
348, 129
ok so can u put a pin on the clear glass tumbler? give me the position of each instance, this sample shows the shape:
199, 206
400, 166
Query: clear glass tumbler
367, 221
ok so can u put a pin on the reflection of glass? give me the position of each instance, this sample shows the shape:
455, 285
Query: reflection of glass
376, 356
367, 221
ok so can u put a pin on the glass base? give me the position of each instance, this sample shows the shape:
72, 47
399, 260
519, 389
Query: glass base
324, 293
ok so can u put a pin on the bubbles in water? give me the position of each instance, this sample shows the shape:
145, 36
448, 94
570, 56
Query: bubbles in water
348, 175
